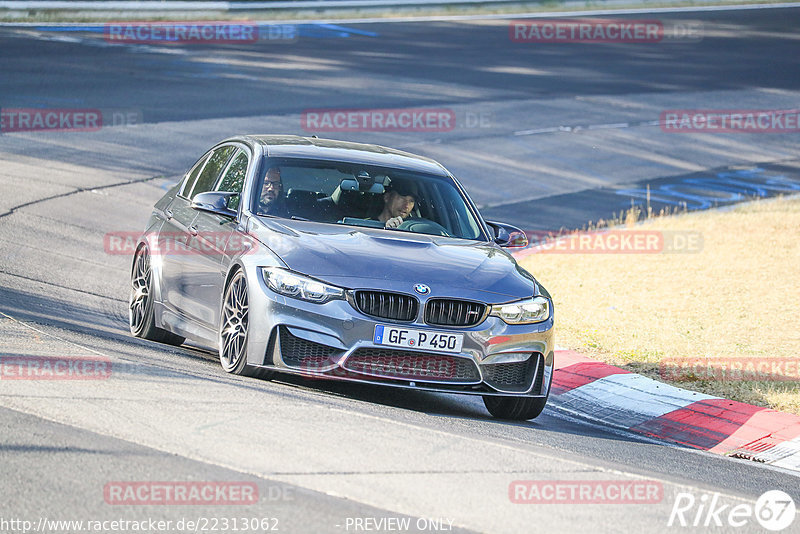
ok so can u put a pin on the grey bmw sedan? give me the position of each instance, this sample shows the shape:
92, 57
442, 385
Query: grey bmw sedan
343, 261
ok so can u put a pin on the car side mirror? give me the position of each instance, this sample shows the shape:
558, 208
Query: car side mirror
215, 202
508, 236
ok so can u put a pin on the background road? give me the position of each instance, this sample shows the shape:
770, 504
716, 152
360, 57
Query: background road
547, 135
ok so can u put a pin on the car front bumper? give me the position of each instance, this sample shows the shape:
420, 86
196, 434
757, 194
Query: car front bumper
335, 341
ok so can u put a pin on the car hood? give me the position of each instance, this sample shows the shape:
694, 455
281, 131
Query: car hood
366, 258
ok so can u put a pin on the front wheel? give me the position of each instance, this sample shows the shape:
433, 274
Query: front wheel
233, 330
515, 408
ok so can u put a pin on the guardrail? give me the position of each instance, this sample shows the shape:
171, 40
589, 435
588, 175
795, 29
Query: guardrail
212, 5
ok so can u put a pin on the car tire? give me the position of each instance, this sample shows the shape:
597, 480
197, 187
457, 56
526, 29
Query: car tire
233, 330
516, 408
140, 303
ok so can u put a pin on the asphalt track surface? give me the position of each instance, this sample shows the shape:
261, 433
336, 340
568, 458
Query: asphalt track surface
324, 455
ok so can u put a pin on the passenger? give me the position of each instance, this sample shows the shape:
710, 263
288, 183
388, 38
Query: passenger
271, 201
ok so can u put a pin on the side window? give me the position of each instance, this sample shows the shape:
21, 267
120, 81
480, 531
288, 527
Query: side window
208, 177
233, 179
190, 180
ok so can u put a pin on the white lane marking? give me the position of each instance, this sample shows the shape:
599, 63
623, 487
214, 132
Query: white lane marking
605, 126
634, 124
577, 128
540, 130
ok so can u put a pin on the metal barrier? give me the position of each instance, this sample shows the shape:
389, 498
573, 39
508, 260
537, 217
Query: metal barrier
212, 5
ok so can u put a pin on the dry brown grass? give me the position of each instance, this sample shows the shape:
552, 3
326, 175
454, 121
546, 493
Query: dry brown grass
739, 297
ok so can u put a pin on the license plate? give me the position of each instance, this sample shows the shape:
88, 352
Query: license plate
395, 336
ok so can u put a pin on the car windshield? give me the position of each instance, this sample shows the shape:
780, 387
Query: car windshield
364, 195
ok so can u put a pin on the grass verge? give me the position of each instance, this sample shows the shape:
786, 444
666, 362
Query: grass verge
736, 299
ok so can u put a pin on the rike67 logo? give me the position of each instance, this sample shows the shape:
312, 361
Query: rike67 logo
774, 511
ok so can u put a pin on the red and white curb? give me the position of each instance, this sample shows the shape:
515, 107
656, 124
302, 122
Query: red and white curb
619, 398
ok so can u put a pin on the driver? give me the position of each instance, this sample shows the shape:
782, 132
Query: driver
398, 201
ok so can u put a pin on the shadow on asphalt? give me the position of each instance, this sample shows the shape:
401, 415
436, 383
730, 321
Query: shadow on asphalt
109, 326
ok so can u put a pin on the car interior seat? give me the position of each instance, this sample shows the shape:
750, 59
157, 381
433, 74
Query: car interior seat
302, 203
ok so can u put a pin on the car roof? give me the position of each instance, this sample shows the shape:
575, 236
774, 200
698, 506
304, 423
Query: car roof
295, 146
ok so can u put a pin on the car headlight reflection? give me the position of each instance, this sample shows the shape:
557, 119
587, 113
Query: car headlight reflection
287, 283
533, 310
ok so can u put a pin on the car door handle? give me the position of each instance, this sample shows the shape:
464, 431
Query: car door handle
168, 212
193, 229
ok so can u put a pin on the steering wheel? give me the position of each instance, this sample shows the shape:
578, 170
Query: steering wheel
424, 226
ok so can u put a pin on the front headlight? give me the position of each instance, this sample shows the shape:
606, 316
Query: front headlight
533, 310
290, 284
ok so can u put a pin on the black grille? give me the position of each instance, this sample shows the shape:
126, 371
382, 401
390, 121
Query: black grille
395, 306
298, 352
450, 312
407, 365
512, 376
